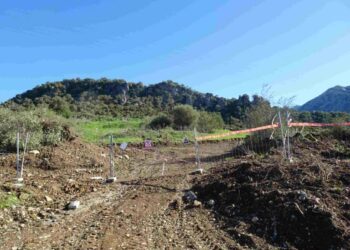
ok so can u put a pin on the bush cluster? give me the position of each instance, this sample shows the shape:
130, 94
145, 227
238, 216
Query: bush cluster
185, 117
43, 126
160, 122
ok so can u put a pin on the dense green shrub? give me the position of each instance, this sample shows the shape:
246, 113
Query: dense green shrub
12, 122
184, 116
44, 128
61, 106
207, 122
160, 122
340, 133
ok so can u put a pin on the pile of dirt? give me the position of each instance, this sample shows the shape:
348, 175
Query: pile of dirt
301, 205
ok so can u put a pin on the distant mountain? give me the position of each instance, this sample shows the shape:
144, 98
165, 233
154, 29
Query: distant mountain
336, 99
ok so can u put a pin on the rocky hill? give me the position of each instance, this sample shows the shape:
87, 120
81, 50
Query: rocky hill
89, 97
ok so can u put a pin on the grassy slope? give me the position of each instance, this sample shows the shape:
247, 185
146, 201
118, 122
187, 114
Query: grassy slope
132, 131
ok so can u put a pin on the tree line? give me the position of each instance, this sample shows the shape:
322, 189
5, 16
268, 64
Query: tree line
93, 99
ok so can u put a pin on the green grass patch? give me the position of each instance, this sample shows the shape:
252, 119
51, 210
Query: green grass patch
8, 200
134, 131
96, 131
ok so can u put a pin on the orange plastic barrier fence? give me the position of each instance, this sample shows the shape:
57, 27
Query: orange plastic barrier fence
237, 132
313, 124
291, 124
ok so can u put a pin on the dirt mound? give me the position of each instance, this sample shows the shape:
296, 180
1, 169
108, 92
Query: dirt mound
289, 206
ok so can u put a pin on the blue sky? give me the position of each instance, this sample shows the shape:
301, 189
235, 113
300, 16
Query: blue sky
298, 47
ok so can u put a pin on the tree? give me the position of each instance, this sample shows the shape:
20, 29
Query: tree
207, 122
184, 116
259, 114
305, 117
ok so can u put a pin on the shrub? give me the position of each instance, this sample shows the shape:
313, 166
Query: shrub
184, 116
44, 128
22, 122
61, 106
339, 133
160, 122
207, 122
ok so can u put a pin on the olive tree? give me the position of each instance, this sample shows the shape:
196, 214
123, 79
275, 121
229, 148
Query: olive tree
184, 116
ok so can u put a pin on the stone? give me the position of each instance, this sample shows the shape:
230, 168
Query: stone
96, 178
34, 152
198, 171
111, 179
127, 157
302, 195
48, 198
190, 196
211, 203
197, 203
255, 219
74, 205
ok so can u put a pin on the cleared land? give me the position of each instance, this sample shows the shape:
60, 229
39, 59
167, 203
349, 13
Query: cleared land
260, 201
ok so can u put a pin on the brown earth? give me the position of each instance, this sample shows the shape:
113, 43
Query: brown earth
249, 201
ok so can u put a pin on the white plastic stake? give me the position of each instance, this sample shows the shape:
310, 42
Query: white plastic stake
198, 159
163, 169
111, 157
17, 156
282, 135
24, 153
289, 155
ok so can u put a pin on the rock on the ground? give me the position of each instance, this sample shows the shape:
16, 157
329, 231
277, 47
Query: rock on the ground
211, 203
48, 198
190, 196
255, 219
197, 203
73, 205
34, 152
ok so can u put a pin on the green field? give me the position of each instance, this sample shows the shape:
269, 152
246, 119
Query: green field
133, 131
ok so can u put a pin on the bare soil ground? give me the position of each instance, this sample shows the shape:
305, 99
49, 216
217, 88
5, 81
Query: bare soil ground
246, 202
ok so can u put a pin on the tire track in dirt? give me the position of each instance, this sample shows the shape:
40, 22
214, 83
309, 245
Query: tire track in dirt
130, 214
71, 226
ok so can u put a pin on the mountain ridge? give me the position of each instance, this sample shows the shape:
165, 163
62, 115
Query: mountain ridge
335, 99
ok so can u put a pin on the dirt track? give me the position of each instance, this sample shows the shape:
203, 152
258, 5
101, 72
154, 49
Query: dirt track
144, 210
